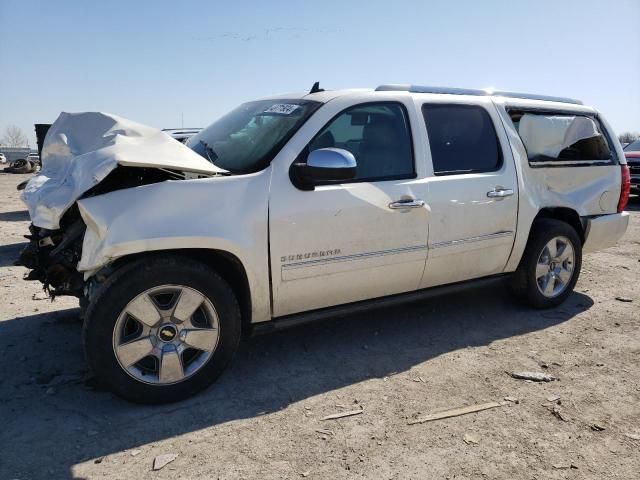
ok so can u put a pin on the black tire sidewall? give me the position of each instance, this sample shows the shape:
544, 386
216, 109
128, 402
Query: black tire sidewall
543, 230
120, 289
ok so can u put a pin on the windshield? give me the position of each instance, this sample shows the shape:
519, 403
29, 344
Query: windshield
633, 147
246, 139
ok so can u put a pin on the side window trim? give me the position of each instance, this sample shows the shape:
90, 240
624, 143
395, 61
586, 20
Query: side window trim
302, 157
442, 173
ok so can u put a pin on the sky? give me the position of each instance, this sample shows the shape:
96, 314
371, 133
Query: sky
186, 63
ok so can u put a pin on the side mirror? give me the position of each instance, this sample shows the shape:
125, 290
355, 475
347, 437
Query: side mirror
324, 165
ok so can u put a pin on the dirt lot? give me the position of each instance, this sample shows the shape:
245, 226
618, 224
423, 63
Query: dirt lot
261, 420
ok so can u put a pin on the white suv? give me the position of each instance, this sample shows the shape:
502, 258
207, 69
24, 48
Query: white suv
314, 204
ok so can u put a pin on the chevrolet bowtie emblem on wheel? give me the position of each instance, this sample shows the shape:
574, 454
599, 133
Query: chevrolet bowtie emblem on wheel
167, 333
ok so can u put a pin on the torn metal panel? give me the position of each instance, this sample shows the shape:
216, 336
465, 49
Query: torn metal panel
81, 149
548, 135
589, 190
222, 213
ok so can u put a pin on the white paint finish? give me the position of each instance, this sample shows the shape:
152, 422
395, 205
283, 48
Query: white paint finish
578, 188
474, 232
375, 257
605, 231
221, 213
350, 263
81, 149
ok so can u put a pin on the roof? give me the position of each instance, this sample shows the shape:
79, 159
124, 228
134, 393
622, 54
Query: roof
475, 92
182, 130
515, 98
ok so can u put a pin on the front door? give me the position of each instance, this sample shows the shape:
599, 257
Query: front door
344, 243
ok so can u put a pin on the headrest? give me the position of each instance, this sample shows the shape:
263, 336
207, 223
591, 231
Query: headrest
380, 133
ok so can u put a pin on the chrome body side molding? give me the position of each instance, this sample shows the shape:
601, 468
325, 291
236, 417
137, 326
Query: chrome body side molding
471, 239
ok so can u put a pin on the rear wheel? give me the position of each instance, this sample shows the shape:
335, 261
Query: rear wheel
550, 265
161, 329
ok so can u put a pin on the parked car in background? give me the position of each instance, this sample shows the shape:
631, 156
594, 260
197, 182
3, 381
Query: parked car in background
315, 204
181, 134
3, 159
632, 154
34, 158
21, 165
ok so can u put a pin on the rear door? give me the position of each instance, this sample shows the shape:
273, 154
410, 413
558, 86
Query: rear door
473, 190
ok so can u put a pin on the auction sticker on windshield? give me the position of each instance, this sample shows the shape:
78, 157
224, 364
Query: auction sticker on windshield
282, 108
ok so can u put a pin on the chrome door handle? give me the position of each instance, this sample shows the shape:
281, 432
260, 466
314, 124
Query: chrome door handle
408, 203
500, 193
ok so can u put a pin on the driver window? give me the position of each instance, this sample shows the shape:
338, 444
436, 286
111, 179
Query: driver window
377, 134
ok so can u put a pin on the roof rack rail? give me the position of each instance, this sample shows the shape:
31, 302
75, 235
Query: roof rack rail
472, 91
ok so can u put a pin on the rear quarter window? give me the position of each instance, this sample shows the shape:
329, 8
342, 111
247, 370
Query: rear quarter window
553, 139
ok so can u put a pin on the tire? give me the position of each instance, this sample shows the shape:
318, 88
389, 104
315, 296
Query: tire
119, 327
554, 286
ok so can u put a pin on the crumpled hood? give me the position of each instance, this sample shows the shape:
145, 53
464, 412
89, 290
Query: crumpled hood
81, 149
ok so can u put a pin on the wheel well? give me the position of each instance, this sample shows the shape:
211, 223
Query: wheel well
227, 265
566, 215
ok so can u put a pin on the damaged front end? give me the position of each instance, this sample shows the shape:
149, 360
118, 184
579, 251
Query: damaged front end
52, 257
87, 155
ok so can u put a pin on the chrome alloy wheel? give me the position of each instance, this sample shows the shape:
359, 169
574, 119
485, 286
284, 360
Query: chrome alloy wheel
166, 334
555, 266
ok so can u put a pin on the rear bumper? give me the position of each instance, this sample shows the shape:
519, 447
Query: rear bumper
604, 231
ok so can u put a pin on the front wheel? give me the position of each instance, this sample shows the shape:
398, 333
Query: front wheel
550, 265
161, 329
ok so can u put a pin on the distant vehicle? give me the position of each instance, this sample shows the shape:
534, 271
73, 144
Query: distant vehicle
181, 134
3, 159
30, 164
632, 154
21, 166
632, 147
34, 158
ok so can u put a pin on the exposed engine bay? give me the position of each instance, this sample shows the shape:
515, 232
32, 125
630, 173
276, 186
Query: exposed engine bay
87, 155
53, 255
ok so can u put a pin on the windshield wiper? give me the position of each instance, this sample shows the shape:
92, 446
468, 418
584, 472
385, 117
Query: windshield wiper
208, 150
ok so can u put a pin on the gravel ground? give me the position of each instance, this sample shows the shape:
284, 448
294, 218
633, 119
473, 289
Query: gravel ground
263, 417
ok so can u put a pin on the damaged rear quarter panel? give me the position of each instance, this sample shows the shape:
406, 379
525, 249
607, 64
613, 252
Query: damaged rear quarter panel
221, 213
589, 190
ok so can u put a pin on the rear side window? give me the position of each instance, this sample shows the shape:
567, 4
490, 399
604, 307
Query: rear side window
561, 138
462, 139
377, 134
